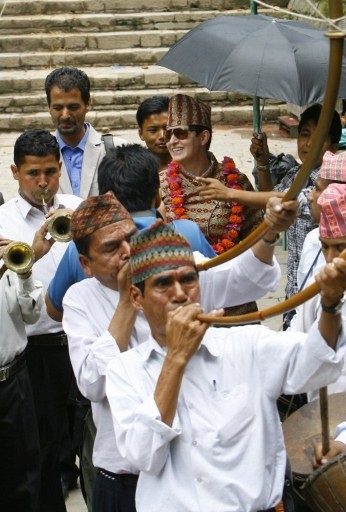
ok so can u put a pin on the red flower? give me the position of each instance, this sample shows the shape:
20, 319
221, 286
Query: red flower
237, 209
177, 201
227, 244
235, 219
173, 185
233, 233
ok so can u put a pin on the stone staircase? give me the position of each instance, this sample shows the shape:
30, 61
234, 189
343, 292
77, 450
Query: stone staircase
117, 43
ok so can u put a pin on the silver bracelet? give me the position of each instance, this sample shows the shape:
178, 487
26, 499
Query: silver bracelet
266, 167
271, 243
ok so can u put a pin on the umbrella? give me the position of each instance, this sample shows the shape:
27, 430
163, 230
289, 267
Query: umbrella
257, 55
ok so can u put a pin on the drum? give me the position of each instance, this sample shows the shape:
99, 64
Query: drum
325, 489
302, 430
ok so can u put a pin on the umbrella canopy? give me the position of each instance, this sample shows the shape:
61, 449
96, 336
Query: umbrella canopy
256, 55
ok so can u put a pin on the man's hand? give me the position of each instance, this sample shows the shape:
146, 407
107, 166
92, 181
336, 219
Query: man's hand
212, 188
335, 448
259, 149
124, 281
3, 245
332, 281
185, 332
280, 215
41, 245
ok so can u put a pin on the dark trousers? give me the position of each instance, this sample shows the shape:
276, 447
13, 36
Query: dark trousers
114, 493
50, 374
19, 445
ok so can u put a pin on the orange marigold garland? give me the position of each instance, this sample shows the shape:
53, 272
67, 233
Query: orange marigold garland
230, 238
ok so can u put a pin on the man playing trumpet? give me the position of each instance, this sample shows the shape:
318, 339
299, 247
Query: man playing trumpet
20, 304
37, 169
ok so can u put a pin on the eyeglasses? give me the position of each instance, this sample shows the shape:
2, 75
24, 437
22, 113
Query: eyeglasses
179, 133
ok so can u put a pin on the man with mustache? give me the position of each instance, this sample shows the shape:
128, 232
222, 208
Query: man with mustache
81, 146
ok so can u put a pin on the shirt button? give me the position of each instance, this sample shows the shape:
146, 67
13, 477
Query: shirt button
199, 479
194, 443
190, 406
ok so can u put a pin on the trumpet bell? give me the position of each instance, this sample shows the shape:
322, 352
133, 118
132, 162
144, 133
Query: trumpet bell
19, 257
59, 227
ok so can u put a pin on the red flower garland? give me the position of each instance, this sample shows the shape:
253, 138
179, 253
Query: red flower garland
230, 238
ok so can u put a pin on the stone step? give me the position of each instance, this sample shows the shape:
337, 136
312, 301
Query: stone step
123, 119
116, 99
89, 41
52, 7
109, 22
123, 57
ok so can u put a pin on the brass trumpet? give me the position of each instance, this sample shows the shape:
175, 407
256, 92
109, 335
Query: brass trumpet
19, 257
59, 227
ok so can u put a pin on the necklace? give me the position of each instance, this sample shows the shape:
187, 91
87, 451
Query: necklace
231, 176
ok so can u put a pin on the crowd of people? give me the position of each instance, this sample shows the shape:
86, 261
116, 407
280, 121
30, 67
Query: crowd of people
113, 375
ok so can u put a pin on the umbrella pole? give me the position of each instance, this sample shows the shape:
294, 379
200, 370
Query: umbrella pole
256, 100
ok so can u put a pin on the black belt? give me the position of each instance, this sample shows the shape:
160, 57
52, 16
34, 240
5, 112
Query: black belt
10, 369
55, 339
125, 478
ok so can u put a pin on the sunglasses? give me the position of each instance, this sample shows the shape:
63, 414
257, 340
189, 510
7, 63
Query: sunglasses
179, 133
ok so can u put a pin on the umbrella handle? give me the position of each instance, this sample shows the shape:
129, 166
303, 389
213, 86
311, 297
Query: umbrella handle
324, 122
278, 309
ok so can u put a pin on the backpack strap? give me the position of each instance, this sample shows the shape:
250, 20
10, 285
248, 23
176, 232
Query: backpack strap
108, 141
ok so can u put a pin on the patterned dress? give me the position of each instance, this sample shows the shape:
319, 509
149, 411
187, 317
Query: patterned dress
212, 216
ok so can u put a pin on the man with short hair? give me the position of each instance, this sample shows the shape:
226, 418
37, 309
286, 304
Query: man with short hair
151, 118
37, 169
194, 409
82, 148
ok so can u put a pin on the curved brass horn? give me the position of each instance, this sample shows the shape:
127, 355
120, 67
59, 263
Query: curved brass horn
59, 227
19, 257
332, 87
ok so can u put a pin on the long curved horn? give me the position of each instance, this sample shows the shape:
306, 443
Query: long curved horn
320, 135
278, 309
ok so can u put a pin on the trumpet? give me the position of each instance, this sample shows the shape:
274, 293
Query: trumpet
59, 227
19, 257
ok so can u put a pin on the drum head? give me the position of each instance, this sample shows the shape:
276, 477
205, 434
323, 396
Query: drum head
303, 429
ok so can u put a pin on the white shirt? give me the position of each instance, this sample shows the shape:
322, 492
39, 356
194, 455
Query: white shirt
88, 309
20, 221
20, 301
311, 247
305, 316
340, 434
225, 450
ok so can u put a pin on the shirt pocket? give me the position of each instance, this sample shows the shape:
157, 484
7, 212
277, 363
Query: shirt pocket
237, 412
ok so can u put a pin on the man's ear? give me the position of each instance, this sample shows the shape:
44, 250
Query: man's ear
84, 261
15, 171
136, 297
140, 133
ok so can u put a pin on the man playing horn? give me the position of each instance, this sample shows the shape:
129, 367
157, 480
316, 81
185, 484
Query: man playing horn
194, 409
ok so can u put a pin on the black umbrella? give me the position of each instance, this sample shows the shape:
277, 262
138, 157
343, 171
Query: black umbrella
256, 55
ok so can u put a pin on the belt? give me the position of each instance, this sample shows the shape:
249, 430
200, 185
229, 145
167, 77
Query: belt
10, 369
125, 478
54, 339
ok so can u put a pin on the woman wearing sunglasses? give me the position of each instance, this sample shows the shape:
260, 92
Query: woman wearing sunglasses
188, 137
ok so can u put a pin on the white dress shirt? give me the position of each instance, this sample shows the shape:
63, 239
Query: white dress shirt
20, 221
311, 247
225, 450
20, 301
305, 316
88, 309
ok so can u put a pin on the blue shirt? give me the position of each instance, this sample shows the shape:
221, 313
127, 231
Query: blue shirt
70, 270
73, 158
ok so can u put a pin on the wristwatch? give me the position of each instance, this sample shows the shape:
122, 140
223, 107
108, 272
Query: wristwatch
335, 309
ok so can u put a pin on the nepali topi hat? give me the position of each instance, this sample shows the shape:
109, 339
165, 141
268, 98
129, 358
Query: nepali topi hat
332, 202
97, 212
333, 166
157, 249
184, 110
